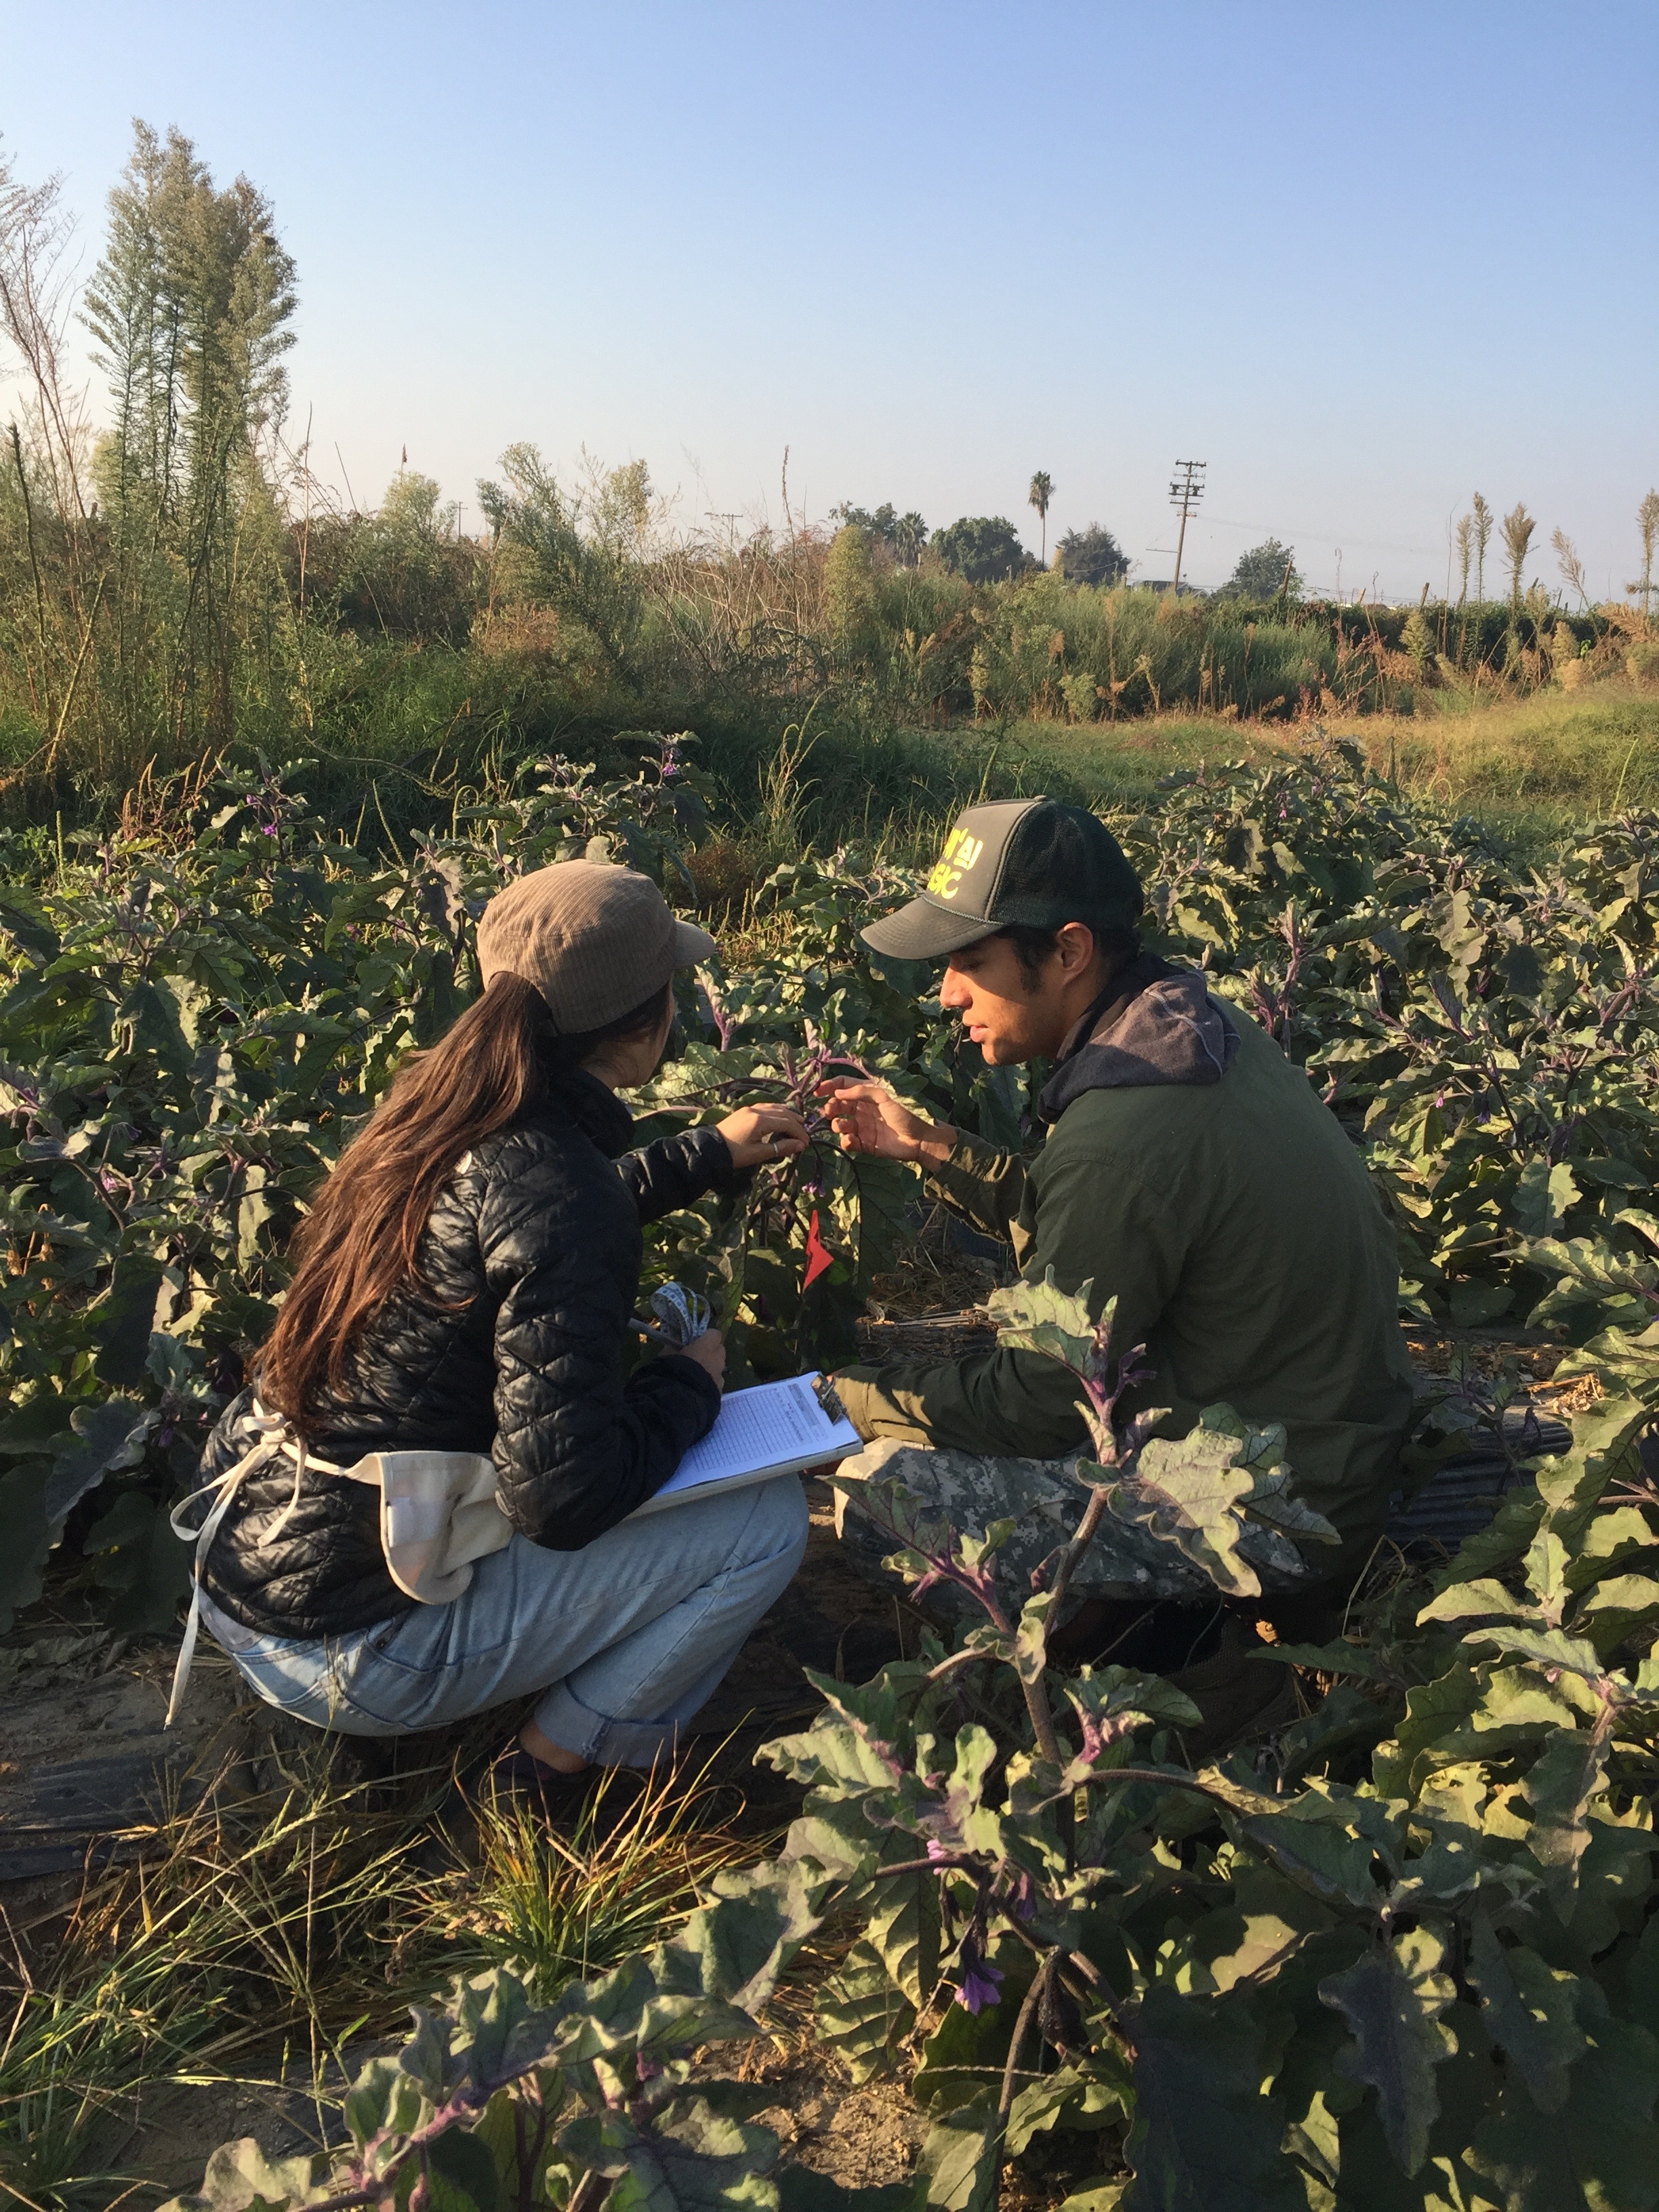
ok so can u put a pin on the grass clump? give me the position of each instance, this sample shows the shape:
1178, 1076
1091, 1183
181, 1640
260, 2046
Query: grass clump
560, 1907
262, 1940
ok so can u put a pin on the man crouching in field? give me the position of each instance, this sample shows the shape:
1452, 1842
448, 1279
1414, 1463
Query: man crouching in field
1192, 1173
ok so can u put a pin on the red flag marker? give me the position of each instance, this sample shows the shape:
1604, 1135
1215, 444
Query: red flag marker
817, 1258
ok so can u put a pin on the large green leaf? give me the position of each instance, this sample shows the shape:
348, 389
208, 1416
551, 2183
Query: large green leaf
902, 1928
1543, 1193
1205, 2139
1392, 1999
1248, 1937
1600, 2151
142, 1563
29, 1536
105, 1439
1042, 1317
1602, 1441
462, 2173
959, 2158
1486, 1598
1545, 1647
694, 2159
1611, 1610
1325, 1855
800, 2189
1188, 1491
1618, 1535
735, 1947
1272, 1501
240, 2178
1563, 1782
1530, 2012
1077, 2100
125, 1315
1104, 2195
860, 2016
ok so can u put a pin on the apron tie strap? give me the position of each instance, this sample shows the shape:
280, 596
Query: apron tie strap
273, 1438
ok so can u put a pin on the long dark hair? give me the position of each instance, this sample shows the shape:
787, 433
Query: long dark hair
360, 1241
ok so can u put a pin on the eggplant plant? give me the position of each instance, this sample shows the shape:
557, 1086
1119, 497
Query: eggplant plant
196, 1011
1402, 1958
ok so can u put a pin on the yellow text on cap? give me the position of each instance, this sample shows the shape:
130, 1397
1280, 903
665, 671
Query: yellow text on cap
960, 858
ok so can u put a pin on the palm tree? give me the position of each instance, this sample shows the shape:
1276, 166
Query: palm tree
1041, 491
1647, 521
909, 535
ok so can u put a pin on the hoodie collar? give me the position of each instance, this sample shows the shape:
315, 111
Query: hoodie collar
1152, 1024
1128, 984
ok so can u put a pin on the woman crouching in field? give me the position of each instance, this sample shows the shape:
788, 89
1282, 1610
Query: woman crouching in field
465, 1286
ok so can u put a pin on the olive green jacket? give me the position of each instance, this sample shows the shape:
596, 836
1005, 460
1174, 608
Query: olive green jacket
1234, 1223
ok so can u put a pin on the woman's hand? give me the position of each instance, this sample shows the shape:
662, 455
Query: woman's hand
756, 1134
709, 1350
868, 1118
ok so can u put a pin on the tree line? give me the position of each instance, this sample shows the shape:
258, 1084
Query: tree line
176, 578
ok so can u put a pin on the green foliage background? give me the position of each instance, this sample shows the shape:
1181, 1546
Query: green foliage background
197, 1015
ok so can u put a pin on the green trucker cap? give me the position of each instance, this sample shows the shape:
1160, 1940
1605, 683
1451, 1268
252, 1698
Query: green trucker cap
1035, 861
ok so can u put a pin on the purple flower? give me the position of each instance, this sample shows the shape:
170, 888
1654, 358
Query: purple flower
981, 1982
980, 1985
267, 829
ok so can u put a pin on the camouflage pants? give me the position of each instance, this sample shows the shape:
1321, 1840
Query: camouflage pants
1046, 1500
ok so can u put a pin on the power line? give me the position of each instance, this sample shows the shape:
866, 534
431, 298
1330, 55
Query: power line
1185, 492
1306, 530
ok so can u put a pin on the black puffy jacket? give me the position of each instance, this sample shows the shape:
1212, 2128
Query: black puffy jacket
532, 1260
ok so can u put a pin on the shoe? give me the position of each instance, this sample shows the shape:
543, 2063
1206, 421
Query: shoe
1238, 1696
1157, 1636
511, 1779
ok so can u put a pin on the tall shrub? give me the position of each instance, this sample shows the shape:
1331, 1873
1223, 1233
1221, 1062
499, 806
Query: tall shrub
189, 308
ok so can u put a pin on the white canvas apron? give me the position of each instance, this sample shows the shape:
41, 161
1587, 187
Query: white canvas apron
438, 1518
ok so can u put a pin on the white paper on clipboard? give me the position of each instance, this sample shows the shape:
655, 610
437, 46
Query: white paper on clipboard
773, 1428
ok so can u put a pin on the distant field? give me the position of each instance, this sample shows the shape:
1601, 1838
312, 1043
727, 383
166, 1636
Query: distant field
1533, 768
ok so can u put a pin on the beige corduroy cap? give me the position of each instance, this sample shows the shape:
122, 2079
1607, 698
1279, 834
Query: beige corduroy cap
595, 939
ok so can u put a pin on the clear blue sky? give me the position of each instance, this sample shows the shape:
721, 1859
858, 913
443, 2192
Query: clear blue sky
1360, 260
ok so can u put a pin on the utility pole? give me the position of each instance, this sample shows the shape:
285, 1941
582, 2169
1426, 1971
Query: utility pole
1185, 492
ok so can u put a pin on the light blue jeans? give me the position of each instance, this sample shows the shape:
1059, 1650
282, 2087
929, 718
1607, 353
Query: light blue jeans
626, 1638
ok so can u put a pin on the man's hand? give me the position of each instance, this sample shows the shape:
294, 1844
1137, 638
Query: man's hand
869, 1119
756, 1134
